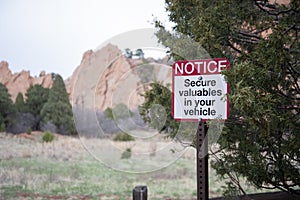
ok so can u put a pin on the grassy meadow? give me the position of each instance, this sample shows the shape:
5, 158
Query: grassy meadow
64, 169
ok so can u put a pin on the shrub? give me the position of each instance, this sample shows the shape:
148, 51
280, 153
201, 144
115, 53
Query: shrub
22, 123
108, 113
29, 130
126, 154
48, 136
120, 111
123, 137
2, 127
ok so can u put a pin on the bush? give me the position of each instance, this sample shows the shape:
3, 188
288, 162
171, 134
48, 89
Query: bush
123, 137
2, 127
48, 136
28, 131
108, 113
22, 122
120, 111
126, 154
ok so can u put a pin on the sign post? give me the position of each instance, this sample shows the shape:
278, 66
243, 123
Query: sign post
199, 93
202, 162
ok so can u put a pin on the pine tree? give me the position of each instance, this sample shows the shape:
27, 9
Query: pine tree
37, 96
58, 109
7, 109
20, 104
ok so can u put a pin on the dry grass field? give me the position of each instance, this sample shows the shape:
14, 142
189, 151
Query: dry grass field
67, 169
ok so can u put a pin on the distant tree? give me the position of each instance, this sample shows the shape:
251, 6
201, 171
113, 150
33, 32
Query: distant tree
128, 53
58, 109
139, 53
20, 104
37, 96
53, 75
7, 109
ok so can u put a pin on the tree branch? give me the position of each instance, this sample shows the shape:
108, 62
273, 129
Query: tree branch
268, 8
234, 48
249, 35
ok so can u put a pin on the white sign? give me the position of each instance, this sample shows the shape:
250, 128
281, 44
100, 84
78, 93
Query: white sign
200, 90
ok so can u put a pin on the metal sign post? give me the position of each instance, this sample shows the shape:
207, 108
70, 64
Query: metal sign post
202, 162
199, 90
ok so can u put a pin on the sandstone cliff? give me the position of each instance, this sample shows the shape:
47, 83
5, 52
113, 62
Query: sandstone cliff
20, 82
104, 78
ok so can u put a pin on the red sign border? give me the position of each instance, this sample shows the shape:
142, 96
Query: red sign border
173, 85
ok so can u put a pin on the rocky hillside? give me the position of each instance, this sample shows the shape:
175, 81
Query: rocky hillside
99, 78
106, 78
20, 82
103, 79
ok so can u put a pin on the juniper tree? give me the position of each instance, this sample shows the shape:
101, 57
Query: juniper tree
20, 104
7, 109
37, 96
58, 109
261, 40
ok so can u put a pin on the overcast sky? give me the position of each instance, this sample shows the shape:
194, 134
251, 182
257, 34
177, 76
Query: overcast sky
52, 35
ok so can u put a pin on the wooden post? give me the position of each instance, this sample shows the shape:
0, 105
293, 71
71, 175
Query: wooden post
202, 162
139, 193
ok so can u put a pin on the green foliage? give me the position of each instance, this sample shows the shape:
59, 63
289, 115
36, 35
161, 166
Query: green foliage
58, 91
29, 131
230, 191
20, 104
157, 112
58, 109
139, 53
120, 111
7, 109
108, 113
124, 137
48, 136
126, 154
128, 53
261, 40
37, 96
157, 109
2, 127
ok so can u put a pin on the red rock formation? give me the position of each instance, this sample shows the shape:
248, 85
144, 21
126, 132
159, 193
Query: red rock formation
103, 79
106, 78
20, 82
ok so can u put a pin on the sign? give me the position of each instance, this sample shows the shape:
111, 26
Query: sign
200, 90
